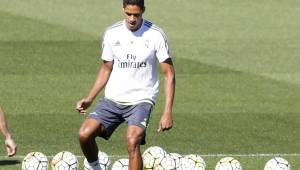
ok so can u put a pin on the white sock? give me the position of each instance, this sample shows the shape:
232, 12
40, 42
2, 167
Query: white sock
95, 165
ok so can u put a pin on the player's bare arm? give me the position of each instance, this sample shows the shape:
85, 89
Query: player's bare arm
167, 69
10, 144
11, 147
101, 80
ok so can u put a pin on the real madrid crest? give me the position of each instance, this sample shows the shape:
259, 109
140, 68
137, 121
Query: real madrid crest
147, 43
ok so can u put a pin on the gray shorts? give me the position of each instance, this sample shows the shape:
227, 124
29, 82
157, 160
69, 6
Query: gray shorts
111, 115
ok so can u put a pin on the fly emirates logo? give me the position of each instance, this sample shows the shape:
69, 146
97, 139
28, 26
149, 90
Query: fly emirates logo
131, 62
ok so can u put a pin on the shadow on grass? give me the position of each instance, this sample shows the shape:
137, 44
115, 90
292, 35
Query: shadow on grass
9, 162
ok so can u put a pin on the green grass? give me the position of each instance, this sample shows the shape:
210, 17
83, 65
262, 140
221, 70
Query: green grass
237, 70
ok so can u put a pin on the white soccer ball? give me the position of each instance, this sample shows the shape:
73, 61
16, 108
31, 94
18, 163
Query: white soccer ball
121, 164
152, 156
167, 163
277, 163
192, 162
64, 161
176, 158
35, 161
104, 162
228, 163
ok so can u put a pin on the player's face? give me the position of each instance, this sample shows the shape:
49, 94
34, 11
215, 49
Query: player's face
133, 17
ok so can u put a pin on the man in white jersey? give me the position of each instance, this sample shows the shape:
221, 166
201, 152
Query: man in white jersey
131, 50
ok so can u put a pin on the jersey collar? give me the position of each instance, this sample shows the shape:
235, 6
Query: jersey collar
137, 32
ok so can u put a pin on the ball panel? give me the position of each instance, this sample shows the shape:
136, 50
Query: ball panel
277, 163
35, 161
193, 162
228, 163
153, 156
121, 164
64, 160
167, 163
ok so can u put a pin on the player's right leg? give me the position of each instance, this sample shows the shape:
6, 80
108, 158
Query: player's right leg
102, 122
87, 134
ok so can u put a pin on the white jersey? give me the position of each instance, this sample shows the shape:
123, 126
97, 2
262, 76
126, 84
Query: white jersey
134, 77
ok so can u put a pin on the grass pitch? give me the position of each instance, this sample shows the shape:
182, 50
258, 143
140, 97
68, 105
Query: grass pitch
237, 68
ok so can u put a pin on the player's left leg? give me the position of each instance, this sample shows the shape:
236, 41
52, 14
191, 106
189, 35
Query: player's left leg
137, 117
134, 137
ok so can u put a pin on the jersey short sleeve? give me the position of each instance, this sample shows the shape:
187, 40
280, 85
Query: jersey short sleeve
162, 48
107, 53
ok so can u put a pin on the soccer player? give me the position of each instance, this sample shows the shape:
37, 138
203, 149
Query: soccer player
131, 50
10, 144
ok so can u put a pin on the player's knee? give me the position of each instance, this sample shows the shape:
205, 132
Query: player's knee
83, 135
133, 143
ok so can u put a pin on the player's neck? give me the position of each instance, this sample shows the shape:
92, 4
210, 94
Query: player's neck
137, 28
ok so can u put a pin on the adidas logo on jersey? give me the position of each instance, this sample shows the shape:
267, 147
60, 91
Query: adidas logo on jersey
117, 43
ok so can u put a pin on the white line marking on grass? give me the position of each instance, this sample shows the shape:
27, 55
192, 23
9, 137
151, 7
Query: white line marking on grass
204, 155
251, 155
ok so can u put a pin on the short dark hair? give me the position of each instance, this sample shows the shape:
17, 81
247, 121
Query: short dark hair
139, 3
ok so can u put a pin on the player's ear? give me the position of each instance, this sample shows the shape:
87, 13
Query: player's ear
144, 9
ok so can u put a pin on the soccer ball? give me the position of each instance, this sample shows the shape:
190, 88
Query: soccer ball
35, 161
176, 158
64, 161
152, 156
228, 163
192, 162
104, 162
277, 163
170, 162
167, 163
121, 164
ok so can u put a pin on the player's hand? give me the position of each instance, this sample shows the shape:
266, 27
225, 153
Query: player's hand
82, 105
166, 122
11, 147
